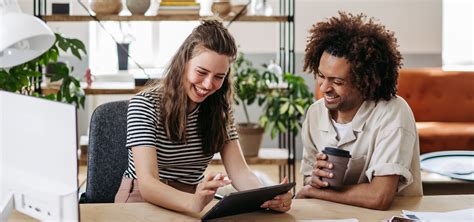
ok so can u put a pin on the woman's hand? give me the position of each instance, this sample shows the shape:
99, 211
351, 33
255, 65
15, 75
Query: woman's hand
206, 189
281, 202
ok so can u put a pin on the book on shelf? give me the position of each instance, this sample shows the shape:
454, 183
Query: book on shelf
178, 12
188, 1
179, 4
178, 8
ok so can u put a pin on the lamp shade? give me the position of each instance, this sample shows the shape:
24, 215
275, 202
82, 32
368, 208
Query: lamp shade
23, 37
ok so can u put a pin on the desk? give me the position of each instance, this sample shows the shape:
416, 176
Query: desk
436, 184
301, 210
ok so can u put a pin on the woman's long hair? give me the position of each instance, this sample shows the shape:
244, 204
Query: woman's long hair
214, 113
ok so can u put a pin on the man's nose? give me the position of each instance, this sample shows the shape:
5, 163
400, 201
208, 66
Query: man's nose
325, 86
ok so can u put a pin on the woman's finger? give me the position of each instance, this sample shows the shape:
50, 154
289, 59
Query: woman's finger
285, 180
215, 176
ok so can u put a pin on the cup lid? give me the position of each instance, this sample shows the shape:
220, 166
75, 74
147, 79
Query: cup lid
336, 152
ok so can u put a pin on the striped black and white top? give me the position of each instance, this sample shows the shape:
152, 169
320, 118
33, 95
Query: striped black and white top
181, 161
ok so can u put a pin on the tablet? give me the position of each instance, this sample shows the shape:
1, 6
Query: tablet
245, 201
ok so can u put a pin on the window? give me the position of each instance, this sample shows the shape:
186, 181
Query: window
152, 44
458, 28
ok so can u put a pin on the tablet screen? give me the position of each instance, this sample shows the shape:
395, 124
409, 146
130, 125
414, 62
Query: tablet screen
246, 201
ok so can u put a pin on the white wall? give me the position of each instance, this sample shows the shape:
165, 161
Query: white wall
417, 23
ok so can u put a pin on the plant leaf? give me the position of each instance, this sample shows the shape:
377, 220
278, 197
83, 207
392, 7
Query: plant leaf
284, 108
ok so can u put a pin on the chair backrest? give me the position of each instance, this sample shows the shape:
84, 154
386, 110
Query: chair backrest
107, 154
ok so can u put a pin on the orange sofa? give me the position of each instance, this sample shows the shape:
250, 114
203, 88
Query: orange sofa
443, 105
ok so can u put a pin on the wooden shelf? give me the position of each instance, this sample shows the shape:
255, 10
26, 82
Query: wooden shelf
101, 88
85, 18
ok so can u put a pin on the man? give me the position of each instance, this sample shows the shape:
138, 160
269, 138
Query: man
355, 62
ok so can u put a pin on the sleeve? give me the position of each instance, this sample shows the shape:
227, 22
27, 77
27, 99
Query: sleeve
393, 156
231, 129
141, 122
309, 148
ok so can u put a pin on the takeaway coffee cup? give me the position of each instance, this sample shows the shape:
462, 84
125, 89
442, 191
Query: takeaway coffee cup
339, 159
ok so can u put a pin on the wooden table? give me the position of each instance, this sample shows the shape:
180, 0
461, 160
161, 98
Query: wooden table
307, 209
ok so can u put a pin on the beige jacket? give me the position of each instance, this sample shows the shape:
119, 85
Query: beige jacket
383, 141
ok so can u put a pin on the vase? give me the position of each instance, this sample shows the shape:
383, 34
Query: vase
221, 8
122, 53
250, 138
138, 7
106, 7
238, 8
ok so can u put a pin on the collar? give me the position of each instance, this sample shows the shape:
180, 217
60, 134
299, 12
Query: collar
358, 123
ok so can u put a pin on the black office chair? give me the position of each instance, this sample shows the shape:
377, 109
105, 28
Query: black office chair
107, 154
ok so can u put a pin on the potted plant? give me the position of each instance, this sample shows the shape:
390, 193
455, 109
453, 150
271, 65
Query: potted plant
251, 86
26, 78
283, 108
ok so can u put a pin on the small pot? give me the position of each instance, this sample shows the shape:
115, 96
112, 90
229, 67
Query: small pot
237, 8
221, 8
138, 7
106, 7
250, 138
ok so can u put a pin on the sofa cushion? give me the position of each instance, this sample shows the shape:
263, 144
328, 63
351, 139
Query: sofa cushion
437, 95
441, 136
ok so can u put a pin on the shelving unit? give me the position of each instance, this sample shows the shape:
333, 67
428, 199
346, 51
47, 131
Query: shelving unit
286, 53
86, 18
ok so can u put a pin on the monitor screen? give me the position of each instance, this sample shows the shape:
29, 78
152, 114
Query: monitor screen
38, 152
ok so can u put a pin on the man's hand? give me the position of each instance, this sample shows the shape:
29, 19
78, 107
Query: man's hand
319, 172
304, 192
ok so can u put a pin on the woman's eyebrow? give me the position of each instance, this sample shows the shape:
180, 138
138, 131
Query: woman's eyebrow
200, 67
203, 68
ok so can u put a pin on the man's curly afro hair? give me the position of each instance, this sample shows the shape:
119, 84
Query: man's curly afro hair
370, 49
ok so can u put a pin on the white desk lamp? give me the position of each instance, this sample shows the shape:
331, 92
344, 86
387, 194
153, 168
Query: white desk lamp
23, 37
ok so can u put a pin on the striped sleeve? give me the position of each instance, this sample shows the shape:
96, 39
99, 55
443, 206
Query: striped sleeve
231, 129
141, 122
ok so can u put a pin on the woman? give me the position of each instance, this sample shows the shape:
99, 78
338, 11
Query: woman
175, 127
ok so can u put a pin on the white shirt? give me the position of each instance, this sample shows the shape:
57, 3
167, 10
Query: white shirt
342, 129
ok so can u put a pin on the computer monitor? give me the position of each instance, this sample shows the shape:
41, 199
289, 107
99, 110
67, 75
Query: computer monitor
38, 158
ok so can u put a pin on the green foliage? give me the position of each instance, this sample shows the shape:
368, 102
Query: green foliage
250, 84
283, 109
22, 78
